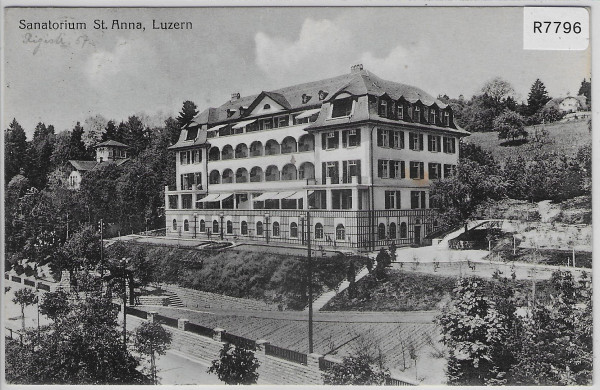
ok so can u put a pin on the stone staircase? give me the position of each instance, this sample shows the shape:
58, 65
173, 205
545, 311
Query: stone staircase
174, 300
329, 295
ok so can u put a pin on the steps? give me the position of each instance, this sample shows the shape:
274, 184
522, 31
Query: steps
174, 300
329, 295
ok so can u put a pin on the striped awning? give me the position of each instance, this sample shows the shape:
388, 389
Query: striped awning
308, 113
215, 197
243, 123
267, 195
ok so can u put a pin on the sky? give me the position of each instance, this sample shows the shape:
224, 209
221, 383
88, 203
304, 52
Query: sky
75, 74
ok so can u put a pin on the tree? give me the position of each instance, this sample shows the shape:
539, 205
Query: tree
77, 148
585, 89
187, 113
152, 339
383, 260
93, 128
474, 331
498, 90
538, 97
509, 124
60, 154
235, 366
82, 347
111, 132
24, 297
55, 305
136, 135
356, 370
15, 150
140, 270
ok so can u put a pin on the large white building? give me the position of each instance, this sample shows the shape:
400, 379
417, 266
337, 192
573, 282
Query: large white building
355, 151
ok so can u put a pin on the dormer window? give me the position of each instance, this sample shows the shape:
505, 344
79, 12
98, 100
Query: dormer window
305, 98
230, 112
383, 109
191, 134
417, 114
243, 110
323, 94
433, 116
342, 107
400, 111
446, 118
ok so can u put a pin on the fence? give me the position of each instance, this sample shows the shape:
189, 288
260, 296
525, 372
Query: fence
137, 312
287, 354
172, 322
43, 286
15, 279
198, 329
239, 341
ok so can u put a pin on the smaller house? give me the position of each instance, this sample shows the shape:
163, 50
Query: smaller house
106, 152
568, 104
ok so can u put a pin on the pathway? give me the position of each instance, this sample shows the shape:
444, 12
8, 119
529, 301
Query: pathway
329, 295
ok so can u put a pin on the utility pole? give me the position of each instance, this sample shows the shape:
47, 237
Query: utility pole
101, 253
124, 264
310, 292
67, 226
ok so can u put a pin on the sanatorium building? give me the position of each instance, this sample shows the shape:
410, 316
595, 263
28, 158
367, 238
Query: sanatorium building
352, 155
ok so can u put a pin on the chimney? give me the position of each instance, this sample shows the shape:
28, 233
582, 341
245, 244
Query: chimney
356, 68
235, 96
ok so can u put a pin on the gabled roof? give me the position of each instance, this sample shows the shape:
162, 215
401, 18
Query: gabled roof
112, 143
83, 165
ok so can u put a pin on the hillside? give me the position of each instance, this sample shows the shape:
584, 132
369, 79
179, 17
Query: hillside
565, 137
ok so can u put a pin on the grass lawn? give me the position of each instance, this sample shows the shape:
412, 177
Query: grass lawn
567, 138
407, 291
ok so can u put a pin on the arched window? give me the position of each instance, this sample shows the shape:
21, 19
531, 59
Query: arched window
403, 230
229, 227
288, 145
202, 225
276, 229
306, 171
259, 228
174, 224
214, 177
340, 232
266, 106
392, 230
214, 154
272, 147
215, 226
227, 176
256, 149
227, 153
256, 174
293, 230
241, 175
289, 172
306, 143
186, 225
381, 231
272, 173
244, 228
318, 231
241, 151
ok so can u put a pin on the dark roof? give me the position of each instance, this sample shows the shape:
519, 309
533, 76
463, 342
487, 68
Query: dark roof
356, 83
84, 165
111, 143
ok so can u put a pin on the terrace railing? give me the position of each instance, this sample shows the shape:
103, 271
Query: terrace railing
198, 329
239, 341
286, 354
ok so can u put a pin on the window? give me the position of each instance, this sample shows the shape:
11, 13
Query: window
214, 177
318, 231
342, 107
294, 230
202, 226
417, 114
398, 140
435, 171
330, 140
383, 138
276, 229
415, 141
191, 181
340, 232
229, 227
392, 200
449, 145
350, 168
186, 225
244, 228
331, 169
174, 224
434, 143
350, 138
259, 228
173, 202
446, 120
215, 226
449, 170
425, 114
392, 231
383, 109
400, 111
265, 124
433, 116
383, 169
381, 231
416, 170
281, 121
266, 106
397, 169
403, 230
186, 201
417, 199
191, 134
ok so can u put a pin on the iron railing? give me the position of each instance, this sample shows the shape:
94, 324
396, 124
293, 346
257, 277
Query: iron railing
239, 341
168, 321
198, 329
137, 312
286, 354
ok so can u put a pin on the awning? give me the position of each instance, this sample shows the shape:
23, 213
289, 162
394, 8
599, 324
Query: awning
308, 113
243, 123
217, 127
295, 195
266, 195
215, 197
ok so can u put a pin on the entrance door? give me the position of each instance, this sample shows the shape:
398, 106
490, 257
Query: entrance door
417, 236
